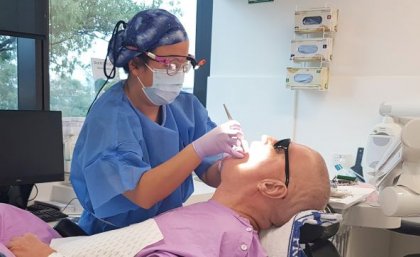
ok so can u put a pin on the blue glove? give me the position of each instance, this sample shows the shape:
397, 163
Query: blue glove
225, 138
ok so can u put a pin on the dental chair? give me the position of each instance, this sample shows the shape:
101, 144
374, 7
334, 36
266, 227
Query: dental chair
317, 242
308, 233
315, 238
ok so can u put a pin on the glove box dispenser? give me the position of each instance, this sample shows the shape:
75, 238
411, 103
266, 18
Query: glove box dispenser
307, 78
312, 49
316, 20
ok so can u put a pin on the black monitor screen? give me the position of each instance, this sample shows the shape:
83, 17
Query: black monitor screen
31, 147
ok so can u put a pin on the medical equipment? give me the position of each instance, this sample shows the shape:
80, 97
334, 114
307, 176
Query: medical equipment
227, 112
318, 25
244, 144
312, 49
307, 78
320, 19
308, 233
393, 151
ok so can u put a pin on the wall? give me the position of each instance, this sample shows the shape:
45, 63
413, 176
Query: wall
375, 59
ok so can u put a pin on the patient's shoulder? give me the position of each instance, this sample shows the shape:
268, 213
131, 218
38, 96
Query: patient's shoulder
17, 222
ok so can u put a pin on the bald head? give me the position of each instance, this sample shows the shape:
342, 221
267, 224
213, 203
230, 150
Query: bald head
310, 185
256, 185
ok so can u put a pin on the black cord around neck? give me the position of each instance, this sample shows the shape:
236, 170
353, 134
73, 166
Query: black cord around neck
111, 74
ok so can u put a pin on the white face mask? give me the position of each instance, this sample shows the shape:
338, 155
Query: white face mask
165, 88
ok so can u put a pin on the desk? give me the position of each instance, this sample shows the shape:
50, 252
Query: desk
60, 195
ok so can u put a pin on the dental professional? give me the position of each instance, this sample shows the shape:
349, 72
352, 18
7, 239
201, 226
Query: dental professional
143, 138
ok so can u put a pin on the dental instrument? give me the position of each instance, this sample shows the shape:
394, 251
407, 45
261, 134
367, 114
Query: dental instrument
244, 143
227, 112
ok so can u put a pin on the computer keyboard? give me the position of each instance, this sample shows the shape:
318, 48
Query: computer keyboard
46, 212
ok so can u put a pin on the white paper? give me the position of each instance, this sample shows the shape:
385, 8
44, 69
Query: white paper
355, 194
122, 242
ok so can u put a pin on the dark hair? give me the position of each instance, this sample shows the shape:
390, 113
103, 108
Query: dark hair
139, 61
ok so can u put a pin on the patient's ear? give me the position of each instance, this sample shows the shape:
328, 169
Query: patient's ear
272, 188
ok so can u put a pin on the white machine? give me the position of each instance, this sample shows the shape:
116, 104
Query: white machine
393, 153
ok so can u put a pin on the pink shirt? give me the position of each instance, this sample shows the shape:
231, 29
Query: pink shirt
16, 222
205, 229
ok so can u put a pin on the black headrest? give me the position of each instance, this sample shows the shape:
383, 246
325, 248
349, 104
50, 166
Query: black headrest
312, 232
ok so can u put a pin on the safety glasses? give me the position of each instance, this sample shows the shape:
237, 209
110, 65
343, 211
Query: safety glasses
284, 145
175, 63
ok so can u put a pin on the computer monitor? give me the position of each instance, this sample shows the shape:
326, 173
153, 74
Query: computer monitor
31, 151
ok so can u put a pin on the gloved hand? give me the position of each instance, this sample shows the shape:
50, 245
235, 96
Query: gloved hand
225, 138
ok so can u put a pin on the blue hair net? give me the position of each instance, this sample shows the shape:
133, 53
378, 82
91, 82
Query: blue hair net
144, 32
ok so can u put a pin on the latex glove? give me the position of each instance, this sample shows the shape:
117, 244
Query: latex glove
225, 138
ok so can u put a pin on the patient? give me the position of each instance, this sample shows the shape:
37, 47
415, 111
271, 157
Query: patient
268, 187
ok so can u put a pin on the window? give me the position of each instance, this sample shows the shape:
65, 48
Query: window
8, 73
23, 55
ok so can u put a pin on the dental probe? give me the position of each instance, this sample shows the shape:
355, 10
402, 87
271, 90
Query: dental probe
227, 113
243, 146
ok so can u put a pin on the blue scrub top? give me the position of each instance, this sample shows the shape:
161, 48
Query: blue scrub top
118, 144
